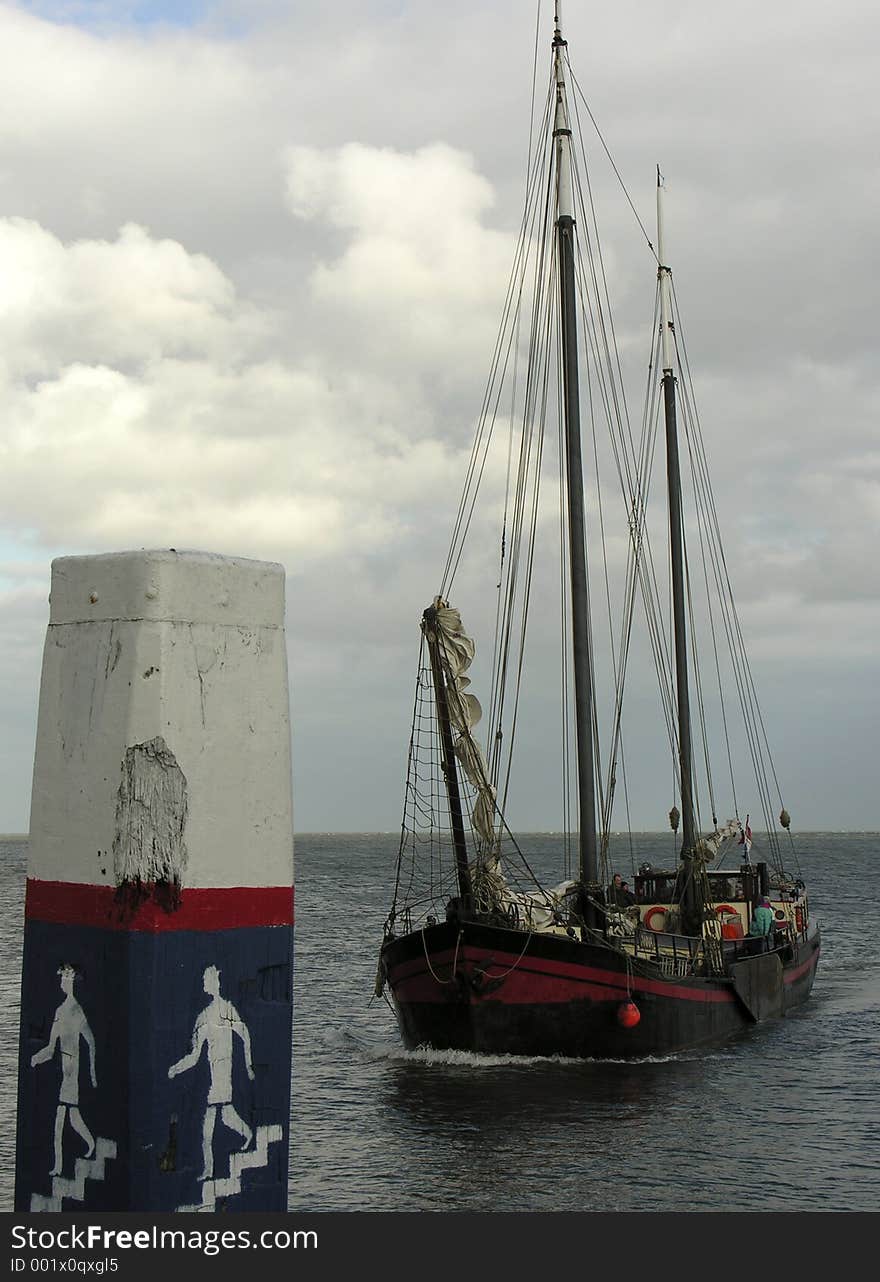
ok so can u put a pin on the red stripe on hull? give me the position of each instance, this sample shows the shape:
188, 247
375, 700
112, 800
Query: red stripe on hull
536, 980
215, 908
469, 989
792, 976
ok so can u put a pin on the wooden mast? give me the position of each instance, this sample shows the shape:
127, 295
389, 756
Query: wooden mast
581, 654
676, 548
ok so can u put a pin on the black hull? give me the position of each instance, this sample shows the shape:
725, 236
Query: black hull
474, 987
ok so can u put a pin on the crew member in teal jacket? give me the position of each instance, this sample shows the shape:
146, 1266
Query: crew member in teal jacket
762, 918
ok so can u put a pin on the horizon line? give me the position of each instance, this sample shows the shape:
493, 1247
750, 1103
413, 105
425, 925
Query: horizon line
526, 832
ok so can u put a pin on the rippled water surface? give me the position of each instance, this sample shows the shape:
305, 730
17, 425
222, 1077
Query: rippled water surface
785, 1118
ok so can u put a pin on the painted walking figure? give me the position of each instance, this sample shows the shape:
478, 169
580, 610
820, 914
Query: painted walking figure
214, 1028
68, 1027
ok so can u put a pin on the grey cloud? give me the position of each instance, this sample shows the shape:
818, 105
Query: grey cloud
237, 377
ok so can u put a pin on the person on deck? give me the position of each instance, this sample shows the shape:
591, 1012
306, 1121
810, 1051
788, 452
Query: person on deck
762, 918
619, 894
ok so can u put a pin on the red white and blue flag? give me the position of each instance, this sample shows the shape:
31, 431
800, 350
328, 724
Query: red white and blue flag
746, 839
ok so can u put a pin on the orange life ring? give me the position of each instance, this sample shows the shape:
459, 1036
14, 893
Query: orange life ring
725, 908
649, 917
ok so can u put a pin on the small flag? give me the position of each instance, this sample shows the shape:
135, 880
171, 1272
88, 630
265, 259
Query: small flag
746, 839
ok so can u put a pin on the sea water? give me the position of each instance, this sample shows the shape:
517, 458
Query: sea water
784, 1118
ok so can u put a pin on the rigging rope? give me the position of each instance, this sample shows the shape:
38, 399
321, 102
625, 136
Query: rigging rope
530, 331
599, 135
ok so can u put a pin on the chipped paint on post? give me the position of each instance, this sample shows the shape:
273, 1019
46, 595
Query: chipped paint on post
148, 845
160, 890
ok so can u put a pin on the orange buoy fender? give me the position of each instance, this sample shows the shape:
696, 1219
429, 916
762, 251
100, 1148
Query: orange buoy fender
726, 908
628, 1014
650, 915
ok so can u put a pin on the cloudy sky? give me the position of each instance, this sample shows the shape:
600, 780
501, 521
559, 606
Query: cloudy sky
252, 256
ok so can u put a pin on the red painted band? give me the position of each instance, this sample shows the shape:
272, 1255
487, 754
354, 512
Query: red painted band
541, 970
217, 908
791, 977
519, 989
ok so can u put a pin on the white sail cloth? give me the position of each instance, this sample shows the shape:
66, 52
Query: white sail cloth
465, 712
713, 843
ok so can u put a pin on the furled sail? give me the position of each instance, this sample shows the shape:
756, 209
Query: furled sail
710, 845
465, 713
539, 909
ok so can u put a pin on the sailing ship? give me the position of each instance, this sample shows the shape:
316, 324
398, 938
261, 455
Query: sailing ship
480, 953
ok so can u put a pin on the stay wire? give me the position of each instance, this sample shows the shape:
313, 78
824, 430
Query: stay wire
611, 160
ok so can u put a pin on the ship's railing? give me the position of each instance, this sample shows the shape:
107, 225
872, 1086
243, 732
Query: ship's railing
779, 939
674, 954
678, 954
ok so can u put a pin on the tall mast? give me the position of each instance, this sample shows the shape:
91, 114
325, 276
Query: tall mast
582, 659
676, 546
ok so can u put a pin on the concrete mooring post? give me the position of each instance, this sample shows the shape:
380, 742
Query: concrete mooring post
155, 1052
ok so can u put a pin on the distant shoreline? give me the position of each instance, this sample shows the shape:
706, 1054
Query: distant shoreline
537, 832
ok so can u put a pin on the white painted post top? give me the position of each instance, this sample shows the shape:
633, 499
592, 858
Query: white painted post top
168, 586
173, 663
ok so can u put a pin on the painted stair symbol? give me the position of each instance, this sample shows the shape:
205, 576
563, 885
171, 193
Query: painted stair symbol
87, 1168
238, 1162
